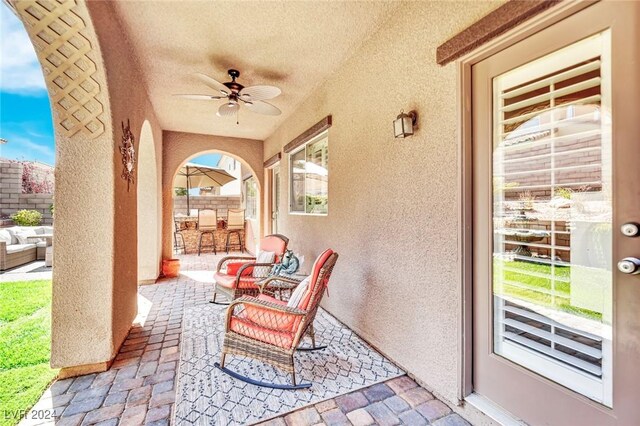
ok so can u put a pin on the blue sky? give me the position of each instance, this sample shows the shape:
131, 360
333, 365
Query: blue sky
25, 114
207, 159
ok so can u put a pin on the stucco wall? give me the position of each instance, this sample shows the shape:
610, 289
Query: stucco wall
393, 206
84, 176
149, 194
129, 101
180, 147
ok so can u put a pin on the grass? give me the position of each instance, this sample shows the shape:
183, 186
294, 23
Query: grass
22, 298
539, 286
25, 336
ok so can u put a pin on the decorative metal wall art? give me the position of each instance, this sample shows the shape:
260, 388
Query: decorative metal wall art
128, 151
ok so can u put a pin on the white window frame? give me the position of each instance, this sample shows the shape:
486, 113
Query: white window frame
245, 197
302, 147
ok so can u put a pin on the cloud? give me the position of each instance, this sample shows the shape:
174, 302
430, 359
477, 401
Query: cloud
24, 149
34, 147
26, 143
20, 70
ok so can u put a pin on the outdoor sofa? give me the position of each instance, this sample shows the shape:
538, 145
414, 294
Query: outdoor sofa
16, 249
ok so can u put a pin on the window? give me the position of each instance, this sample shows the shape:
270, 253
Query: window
251, 198
552, 213
309, 177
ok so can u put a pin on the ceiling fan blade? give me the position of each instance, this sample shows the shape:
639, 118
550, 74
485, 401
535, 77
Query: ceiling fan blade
201, 97
213, 83
262, 107
227, 109
260, 93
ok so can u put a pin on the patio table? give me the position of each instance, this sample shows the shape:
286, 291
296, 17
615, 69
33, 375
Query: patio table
278, 286
48, 256
48, 238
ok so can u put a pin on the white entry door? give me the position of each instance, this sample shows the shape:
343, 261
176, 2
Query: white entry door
556, 129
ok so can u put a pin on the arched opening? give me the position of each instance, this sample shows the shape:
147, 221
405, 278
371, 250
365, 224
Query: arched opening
94, 281
27, 161
148, 207
242, 193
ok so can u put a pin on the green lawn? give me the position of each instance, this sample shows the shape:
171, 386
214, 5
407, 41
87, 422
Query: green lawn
25, 337
532, 282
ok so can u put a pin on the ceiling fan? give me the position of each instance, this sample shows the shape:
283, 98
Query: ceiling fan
235, 95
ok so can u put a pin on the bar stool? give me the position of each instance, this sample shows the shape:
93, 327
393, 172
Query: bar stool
235, 226
207, 224
178, 233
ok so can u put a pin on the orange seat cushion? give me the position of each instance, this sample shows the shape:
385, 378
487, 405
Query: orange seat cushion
273, 244
245, 327
229, 281
267, 298
233, 267
317, 266
269, 318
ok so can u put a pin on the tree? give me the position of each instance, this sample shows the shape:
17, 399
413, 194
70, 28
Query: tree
34, 182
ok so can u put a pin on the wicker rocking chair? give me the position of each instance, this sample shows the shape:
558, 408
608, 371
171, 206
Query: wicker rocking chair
237, 276
269, 330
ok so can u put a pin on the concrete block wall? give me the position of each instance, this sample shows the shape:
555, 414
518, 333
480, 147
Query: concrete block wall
12, 199
10, 178
586, 166
221, 203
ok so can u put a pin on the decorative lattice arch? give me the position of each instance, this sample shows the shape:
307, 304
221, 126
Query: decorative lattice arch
56, 30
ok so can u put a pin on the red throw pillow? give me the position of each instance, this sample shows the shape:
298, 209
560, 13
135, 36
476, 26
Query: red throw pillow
233, 267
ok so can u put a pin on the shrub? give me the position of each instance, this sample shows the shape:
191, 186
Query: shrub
180, 191
27, 218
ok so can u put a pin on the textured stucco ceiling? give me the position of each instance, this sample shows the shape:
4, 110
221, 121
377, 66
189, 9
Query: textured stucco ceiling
292, 45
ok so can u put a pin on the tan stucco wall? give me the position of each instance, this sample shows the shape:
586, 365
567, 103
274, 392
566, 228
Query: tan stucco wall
129, 101
180, 147
393, 206
149, 207
83, 238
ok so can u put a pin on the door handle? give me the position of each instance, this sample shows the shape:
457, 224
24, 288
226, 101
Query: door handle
629, 265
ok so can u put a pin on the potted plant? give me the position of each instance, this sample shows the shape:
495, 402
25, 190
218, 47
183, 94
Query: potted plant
170, 267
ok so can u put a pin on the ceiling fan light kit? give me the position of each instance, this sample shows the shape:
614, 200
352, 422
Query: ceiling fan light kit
236, 95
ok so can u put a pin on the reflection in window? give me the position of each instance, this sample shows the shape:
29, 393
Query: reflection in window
251, 198
552, 213
310, 177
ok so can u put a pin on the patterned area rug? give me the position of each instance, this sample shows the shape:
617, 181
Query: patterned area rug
207, 396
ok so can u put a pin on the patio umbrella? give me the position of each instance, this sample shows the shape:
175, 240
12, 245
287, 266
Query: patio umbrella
193, 175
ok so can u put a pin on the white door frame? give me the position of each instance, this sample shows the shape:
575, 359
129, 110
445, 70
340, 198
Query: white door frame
272, 195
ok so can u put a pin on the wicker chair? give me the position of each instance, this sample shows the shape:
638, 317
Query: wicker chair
237, 276
267, 329
207, 225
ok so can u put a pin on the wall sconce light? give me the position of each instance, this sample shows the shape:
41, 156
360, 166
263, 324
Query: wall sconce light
403, 124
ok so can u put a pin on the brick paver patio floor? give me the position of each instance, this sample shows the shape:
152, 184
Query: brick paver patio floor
140, 386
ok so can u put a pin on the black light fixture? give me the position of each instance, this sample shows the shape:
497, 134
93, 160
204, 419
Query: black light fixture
403, 124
